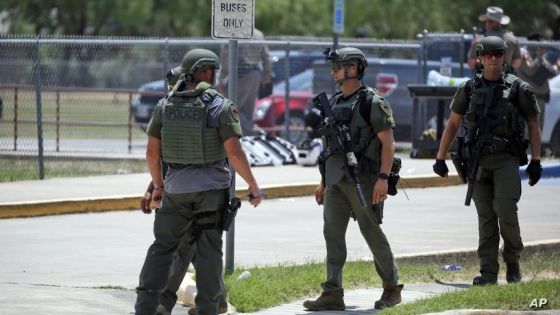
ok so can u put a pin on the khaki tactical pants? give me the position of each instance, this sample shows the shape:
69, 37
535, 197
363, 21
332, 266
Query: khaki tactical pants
340, 200
496, 195
174, 221
247, 90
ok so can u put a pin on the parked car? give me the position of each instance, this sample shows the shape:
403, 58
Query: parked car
270, 111
300, 60
144, 103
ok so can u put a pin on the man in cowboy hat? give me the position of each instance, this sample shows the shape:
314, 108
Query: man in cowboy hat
493, 20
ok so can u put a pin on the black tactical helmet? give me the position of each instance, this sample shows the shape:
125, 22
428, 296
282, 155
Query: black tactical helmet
346, 54
196, 60
350, 55
490, 43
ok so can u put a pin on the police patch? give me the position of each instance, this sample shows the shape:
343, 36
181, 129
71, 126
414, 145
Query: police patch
234, 112
384, 105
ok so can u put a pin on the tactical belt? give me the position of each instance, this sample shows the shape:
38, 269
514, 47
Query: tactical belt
495, 148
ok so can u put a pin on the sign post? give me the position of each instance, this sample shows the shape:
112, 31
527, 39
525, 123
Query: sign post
233, 19
338, 26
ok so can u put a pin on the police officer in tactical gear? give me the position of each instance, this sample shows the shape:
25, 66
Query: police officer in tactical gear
497, 187
373, 144
185, 252
193, 131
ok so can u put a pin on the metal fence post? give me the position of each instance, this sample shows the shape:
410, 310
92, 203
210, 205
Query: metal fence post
130, 117
232, 95
15, 117
165, 60
287, 98
37, 74
57, 120
462, 53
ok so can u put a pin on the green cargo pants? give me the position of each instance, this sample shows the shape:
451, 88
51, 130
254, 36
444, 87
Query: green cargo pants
496, 194
339, 202
175, 218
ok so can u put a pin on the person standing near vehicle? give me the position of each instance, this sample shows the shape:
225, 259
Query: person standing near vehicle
494, 20
536, 70
194, 130
497, 188
372, 140
254, 70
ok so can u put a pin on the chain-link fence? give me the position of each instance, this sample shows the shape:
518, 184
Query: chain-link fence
72, 99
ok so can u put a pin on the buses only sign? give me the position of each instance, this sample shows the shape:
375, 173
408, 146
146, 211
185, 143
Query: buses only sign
233, 18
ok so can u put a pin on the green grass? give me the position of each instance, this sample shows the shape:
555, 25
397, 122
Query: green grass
275, 285
81, 115
506, 297
27, 169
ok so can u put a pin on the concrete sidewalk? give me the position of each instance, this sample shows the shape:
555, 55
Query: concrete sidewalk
118, 192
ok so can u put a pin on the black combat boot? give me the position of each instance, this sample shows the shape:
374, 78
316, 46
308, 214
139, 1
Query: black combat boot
485, 279
222, 308
328, 301
513, 273
391, 296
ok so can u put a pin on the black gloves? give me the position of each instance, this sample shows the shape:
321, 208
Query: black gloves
440, 168
534, 170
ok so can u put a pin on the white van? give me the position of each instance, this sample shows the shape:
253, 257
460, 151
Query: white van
551, 128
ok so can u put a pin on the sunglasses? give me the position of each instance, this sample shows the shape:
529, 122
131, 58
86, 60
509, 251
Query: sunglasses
490, 54
335, 66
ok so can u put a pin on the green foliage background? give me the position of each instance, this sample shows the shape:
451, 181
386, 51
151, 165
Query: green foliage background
395, 19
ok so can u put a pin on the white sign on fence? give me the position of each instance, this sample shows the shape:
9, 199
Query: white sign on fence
233, 19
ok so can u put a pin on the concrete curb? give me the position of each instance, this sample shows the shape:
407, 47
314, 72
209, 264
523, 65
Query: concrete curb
132, 202
461, 255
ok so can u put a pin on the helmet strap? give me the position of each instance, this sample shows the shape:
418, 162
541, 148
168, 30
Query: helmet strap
346, 77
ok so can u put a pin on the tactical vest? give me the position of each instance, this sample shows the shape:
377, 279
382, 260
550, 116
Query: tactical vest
187, 135
364, 142
504, 106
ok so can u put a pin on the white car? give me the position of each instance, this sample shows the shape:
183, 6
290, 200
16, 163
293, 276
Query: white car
551, 129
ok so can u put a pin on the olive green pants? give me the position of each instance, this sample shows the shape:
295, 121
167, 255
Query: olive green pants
496, 194
340, 201
182, 258
175, 220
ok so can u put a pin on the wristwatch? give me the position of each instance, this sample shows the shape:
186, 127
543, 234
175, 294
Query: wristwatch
382, 176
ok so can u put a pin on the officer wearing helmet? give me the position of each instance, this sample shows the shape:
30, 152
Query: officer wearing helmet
193, 131
184, 254
369, 119
497, 187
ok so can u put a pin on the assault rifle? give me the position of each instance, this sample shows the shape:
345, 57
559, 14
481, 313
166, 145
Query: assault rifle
480, 137
339, 135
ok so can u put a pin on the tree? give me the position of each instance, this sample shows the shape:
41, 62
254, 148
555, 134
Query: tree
396, 19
